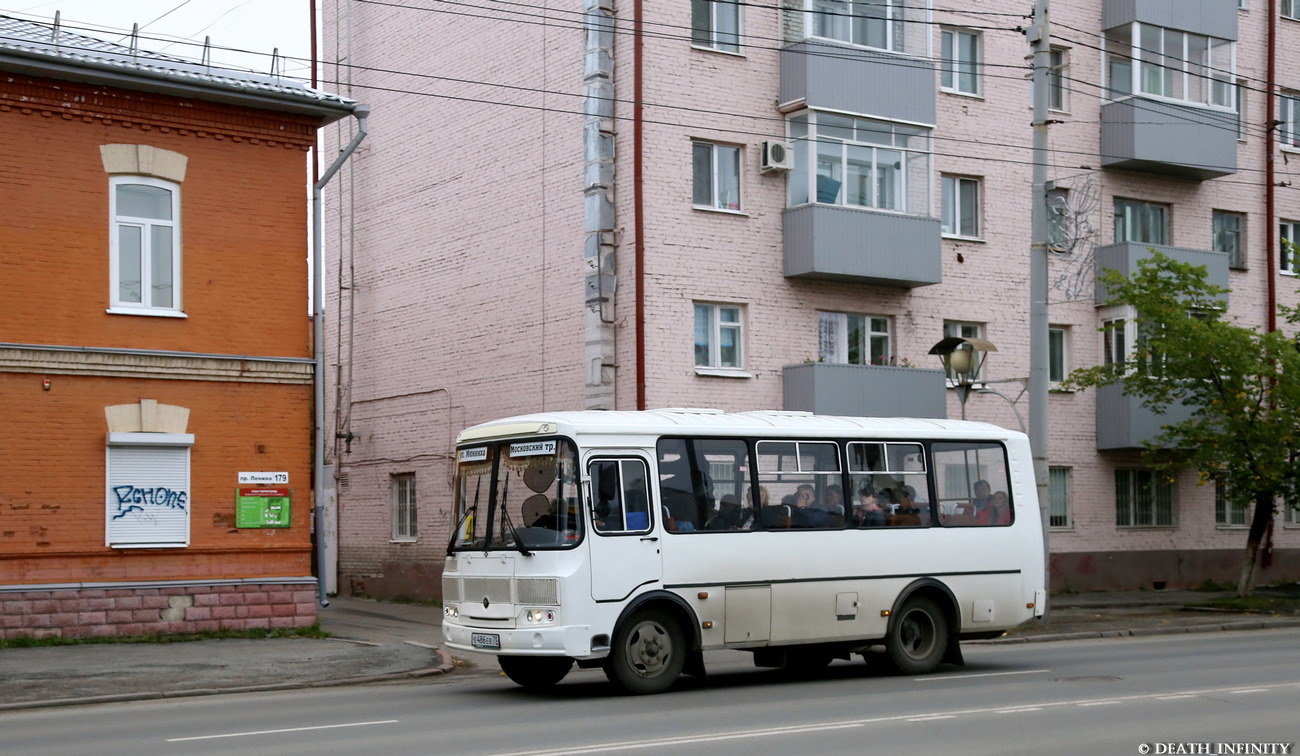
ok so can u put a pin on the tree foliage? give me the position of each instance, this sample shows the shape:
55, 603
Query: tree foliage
1243, 384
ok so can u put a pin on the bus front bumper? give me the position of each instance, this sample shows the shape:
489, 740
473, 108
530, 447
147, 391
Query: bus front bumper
570, 640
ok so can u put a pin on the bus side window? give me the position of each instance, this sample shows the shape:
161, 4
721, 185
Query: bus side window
974, 483
620, 503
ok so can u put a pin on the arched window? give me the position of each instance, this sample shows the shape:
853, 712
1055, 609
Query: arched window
145, 245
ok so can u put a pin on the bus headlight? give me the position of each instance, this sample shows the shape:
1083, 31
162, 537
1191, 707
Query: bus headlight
450, 612
540, 616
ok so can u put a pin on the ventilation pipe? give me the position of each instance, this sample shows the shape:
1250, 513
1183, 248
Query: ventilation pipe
599, 269
361, 112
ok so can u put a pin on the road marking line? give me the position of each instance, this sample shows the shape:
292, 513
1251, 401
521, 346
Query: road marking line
1172, 698
1018, 710
928, 678
797, 729
277, 732
932, 718
1102, 703
1250, 690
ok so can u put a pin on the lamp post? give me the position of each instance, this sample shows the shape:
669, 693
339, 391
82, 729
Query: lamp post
962, 360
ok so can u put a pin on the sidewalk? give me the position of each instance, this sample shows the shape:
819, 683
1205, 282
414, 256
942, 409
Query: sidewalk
373, 641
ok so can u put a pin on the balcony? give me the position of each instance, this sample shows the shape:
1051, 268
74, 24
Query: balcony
1168, 139
1123, 423
833, 243
865, 390
1124, 257
1214, 18
822, 74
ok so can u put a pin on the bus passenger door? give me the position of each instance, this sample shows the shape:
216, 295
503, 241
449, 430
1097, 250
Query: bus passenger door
623, 546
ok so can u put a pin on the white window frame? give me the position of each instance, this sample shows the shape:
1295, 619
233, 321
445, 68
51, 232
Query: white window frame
1160, 66
835, 336
960, 218
713, 35
1058, 94
1129, 226
1288, 131
1290, 9
714, 329
1117, 343
116, 223
960, 74
1288, 231
1225, 514
1128, 485
1058, 354
836, 18
1060, 481
150, 516
826, 154
406, 511
1241, 88
965, 330
718, 176
1228, 240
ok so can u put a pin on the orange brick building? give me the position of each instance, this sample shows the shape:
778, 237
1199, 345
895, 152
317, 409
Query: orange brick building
155, 341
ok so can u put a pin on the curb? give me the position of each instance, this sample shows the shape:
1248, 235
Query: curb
445, 665
1260, 624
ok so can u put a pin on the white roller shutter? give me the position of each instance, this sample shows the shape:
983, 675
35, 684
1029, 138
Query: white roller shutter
148, 492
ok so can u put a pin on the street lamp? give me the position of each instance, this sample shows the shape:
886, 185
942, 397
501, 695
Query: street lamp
962, 361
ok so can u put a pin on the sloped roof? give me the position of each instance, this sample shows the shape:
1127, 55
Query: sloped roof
46, 49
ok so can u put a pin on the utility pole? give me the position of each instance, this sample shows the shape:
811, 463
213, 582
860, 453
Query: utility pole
1040, 39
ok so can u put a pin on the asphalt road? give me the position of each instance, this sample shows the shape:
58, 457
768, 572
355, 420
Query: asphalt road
1109, 696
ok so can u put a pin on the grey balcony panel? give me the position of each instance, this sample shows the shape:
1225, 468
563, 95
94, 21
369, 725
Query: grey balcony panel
863, 246
839, 77
1215, 18
1123, 423
1151, 136
1124, 257
865, 390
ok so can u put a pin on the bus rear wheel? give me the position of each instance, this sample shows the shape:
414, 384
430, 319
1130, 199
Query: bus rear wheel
648, 654
917, 637
535, 672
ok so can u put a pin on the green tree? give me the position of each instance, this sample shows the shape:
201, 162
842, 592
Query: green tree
1243, 384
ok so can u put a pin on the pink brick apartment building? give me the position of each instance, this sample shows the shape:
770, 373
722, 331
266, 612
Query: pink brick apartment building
586, 204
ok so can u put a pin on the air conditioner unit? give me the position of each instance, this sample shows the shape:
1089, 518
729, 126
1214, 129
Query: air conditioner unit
777, 156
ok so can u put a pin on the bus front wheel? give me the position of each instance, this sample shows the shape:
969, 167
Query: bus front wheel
918, 637
648, 654
535, 672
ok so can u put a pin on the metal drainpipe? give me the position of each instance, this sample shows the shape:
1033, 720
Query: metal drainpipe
638, 199
318, 344
1271, 247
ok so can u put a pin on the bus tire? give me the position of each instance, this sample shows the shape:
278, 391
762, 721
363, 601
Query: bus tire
648, 654
917, 637
535, 672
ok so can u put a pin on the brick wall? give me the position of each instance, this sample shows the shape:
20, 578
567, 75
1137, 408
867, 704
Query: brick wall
243, 286
99, 612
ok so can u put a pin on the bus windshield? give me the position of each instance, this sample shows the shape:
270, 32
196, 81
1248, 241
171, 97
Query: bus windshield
517, 495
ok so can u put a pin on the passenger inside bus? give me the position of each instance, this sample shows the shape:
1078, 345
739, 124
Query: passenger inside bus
868, 514
730, 515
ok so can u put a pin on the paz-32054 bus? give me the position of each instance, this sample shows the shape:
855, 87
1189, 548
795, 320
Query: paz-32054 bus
635, 541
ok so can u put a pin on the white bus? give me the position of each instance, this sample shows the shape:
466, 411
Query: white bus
635, 541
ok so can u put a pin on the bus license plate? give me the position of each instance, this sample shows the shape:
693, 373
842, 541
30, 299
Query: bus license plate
485, 640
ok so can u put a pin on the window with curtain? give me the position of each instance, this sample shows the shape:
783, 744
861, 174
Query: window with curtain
718, 336
853, 339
